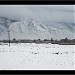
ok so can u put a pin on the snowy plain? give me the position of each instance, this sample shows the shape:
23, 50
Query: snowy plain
31, 56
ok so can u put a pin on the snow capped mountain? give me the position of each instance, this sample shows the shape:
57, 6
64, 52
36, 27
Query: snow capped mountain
4, 26
32, 29
5, 21
61, 30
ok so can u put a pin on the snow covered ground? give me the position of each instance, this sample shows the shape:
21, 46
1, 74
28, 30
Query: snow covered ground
30, 56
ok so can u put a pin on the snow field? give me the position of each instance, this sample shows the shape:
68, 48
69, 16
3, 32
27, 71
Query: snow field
31, 56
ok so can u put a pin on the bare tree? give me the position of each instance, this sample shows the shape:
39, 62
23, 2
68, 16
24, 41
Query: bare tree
9, 37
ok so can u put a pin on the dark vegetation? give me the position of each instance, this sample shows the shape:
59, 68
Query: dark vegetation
65, 41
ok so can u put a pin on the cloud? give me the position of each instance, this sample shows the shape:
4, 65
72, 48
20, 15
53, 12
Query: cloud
50, 13
15, 12
46, 13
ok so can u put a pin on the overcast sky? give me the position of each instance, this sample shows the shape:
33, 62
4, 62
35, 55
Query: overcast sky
46, 13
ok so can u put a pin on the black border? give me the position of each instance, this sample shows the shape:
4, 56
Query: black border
59, 72
38, 2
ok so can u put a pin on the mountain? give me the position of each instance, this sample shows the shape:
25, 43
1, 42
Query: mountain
4, 26
32, 29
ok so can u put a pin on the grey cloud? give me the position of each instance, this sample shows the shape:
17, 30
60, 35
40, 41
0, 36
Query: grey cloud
46, 13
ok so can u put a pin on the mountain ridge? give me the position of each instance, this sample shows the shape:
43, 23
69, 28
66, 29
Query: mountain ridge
33, 29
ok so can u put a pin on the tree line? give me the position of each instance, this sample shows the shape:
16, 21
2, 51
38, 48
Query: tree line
39, 41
